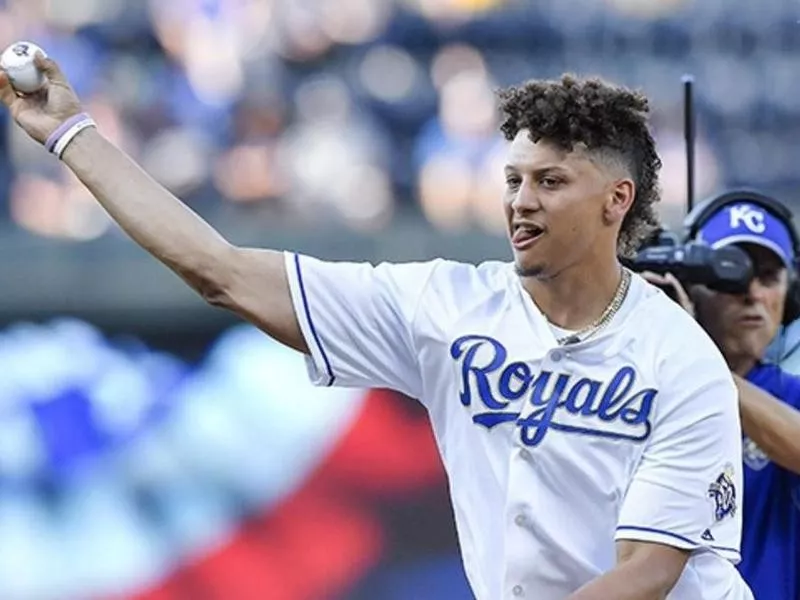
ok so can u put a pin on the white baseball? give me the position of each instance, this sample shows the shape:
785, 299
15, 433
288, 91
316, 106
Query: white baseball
17, 61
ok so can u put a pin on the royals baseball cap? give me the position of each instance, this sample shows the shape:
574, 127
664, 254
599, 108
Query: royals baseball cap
748, 222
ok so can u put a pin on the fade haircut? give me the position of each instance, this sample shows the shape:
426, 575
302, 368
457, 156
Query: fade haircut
609, 121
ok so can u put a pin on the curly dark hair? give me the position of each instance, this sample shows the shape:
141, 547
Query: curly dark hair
605, 118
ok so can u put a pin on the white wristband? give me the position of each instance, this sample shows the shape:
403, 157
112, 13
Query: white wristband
70, 134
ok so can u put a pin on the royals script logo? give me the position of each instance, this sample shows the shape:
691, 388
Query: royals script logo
612, 408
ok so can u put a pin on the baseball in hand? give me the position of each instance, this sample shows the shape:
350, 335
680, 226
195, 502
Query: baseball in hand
17, 61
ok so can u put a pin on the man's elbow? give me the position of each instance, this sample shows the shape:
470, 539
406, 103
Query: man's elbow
254, 285
215, 294
213, 277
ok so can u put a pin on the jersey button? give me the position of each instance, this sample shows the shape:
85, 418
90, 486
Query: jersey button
525, 455
555, 356
519, 520
518, 591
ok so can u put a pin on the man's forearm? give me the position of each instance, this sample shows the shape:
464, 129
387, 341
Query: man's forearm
771, 424
628, 581
153, 217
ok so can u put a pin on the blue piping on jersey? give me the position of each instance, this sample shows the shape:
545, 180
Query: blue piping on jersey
676, 536
307, 310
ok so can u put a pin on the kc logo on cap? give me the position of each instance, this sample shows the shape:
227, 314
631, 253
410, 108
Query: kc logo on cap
749, 216
746, 222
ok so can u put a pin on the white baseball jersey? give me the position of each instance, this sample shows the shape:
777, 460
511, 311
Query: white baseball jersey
552, 452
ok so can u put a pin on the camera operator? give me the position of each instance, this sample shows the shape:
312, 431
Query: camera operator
743, 325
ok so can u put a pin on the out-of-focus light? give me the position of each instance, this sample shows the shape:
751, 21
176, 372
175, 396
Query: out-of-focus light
9, 28
65, 211
299, 36
213, 63
248, 173
255, 21
177, 158
27, 13
323, 98
212, 47
121, 396
168, 27
333, 172
467, 106
84, 219
455, 195
478, 5
109, 121
21, 451
365, 200
487, 193
444, 192
79, 13
353, 21
646, 8
453, 9
389, 73
128, 84
453, 60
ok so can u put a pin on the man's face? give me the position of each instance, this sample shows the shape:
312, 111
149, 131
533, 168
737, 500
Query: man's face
561, 207
743, 325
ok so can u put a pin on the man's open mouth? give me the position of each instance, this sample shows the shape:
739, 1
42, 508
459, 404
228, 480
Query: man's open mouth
524, 234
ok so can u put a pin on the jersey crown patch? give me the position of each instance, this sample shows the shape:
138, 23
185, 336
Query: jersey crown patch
722, 492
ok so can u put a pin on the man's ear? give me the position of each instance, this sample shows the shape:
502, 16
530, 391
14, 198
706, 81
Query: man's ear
620, 199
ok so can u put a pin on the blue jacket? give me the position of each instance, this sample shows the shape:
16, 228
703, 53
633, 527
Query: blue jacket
771, 519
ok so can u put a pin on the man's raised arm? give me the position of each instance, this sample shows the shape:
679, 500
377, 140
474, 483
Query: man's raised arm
251, 283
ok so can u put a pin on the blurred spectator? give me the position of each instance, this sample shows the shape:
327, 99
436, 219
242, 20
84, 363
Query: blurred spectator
336, 158
458, 152
248, 171
345, 113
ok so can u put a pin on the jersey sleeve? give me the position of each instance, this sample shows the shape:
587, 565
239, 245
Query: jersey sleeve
686, 491
358, 321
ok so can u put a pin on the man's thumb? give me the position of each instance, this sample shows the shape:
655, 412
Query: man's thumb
49, 67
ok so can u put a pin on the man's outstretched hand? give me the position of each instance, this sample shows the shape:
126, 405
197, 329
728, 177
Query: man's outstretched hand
40, 113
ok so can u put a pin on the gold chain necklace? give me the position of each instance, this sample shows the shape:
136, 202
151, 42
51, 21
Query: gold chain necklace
605, 318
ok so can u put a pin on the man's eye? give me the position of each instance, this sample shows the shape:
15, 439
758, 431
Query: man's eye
550, 182
769, 277
513, 182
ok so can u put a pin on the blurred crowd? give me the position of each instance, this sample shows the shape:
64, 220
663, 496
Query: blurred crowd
351, 113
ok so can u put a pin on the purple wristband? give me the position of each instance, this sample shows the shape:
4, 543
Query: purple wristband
53, 138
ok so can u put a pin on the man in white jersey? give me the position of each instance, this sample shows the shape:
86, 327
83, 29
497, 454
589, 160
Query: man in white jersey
589, 427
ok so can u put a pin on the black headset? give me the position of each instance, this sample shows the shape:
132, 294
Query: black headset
701, 213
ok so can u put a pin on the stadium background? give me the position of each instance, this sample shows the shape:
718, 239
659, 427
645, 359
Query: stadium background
152, 447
